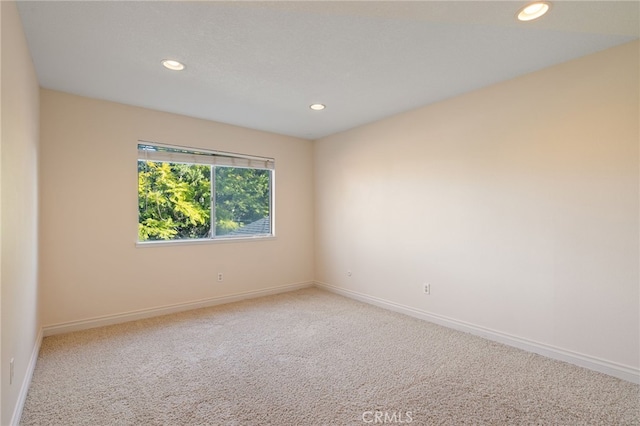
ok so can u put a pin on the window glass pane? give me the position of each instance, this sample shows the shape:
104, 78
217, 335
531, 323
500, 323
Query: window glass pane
242, 201
174, 201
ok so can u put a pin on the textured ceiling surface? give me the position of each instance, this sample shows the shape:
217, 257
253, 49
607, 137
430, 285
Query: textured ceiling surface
261, 64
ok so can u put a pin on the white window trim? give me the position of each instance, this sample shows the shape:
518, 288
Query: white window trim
219, 158
201, 241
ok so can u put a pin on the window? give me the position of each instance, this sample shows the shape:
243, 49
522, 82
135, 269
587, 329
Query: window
187, 194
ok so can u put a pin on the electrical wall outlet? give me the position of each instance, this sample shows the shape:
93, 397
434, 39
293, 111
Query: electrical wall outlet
219, 276
426, 288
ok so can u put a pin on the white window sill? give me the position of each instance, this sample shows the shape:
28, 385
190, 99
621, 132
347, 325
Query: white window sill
221, 240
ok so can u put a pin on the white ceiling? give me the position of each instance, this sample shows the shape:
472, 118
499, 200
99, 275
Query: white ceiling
261, 64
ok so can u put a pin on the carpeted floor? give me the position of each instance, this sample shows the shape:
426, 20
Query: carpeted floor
309, 358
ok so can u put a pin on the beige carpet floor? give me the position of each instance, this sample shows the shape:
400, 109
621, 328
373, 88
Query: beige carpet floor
309, 357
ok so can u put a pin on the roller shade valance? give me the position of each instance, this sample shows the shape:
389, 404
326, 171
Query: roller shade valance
160, 153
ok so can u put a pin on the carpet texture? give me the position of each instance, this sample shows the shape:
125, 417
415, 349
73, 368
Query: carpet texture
309, 357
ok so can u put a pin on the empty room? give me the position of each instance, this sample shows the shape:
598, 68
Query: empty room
319, 213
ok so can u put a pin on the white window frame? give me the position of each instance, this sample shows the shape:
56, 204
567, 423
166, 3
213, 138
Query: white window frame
191, 155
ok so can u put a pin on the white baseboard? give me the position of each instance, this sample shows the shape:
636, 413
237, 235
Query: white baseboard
26, 382
101, 321
620, 371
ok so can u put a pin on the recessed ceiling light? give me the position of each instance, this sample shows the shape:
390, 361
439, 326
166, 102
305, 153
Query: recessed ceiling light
533, 11
317, 107
173, 65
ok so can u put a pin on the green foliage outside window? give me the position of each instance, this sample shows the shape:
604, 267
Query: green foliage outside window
174, 200
242, 197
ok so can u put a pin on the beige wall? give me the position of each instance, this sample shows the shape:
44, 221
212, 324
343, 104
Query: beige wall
19, 210
518, 203
90, 265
